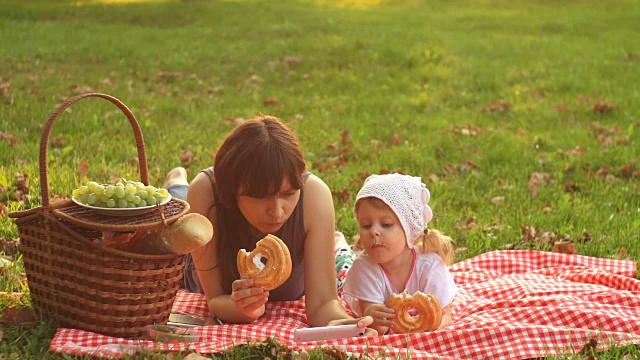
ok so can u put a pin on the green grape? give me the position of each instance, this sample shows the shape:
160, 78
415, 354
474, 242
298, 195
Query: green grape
122, 203
129, 197
151, 200
136, 199
111, 203
109, 191
119, 192
92, 199
142, 194
92, 185
130, 188
83, 198
83, 190
103, 199
98, 190
159, 197
150, 190
76, 193
143, 203
164, 192
132, 205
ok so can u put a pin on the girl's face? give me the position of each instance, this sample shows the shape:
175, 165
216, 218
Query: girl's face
268, 214
381, 233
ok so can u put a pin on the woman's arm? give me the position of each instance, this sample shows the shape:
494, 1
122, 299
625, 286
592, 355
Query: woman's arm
321, 297
247, 303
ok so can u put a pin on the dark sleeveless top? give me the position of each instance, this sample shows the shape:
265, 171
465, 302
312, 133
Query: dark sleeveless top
293, 234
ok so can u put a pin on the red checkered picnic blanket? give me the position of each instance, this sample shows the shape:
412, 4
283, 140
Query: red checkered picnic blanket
511, 304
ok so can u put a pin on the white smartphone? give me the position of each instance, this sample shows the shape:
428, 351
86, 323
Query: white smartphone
326, 332
185, 320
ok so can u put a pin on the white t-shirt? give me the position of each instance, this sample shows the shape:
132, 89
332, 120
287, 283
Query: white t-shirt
367, 281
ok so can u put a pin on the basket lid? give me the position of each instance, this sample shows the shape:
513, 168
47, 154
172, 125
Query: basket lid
160, 216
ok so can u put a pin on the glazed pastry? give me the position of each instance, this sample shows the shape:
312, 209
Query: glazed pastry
267, 275
427, 306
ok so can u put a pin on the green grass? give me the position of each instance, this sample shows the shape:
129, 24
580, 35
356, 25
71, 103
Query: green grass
424, 71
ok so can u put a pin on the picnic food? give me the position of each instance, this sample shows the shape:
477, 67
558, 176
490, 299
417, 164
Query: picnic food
121, 194
188, 233
267, 275
429, 312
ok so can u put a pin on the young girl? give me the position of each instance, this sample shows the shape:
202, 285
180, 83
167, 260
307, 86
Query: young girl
259, 185
397, 254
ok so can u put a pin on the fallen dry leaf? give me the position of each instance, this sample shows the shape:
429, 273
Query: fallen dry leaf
601, 107
545, 239
589, 347
292, 61
498, 105
395, 140
21, 181
621, 255
497, 200
561, 107
194, 356
527, 233
564, 247
467, 165
343, 195
83, 169
186, 157
270, 101
535, 181
345, 137
17, 316
469, 130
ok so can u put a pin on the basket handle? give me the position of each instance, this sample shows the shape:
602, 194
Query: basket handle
142, 157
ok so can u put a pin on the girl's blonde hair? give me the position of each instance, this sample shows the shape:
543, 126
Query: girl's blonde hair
435, 241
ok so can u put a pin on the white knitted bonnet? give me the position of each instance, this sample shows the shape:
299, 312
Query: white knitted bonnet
406, 195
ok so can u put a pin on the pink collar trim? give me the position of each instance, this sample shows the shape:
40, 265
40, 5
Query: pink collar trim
413, 264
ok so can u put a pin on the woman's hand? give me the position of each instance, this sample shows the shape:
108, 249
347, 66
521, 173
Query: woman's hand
363, 323
250, 300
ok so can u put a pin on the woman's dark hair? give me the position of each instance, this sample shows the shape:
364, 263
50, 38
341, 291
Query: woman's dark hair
254, 158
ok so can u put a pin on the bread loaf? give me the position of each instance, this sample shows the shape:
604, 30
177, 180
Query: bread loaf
188, 233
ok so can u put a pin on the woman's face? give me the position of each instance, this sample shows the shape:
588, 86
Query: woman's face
268, 214
381, 233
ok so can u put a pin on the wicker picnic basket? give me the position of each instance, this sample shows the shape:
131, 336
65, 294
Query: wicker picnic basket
82, 284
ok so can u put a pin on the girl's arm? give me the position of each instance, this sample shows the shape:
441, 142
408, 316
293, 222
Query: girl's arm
446, 317
247, 302
321, 297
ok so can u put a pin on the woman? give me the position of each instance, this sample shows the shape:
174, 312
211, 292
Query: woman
259, 185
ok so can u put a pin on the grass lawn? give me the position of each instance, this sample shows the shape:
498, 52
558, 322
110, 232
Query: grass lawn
521, 116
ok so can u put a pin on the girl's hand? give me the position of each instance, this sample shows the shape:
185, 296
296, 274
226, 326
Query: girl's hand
382, 316
250, 300
363, 323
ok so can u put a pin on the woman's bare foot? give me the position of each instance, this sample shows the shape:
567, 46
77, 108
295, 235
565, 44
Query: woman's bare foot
176, 176
340, 242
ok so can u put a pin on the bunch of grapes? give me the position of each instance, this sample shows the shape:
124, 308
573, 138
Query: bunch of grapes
123, 194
